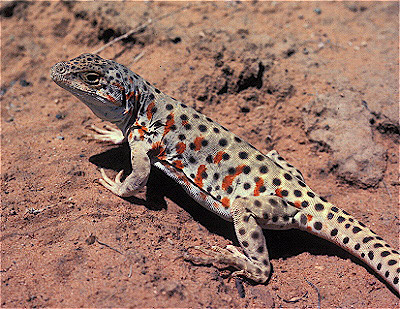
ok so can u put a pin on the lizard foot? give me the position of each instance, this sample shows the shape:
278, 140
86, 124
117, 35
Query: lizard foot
230, 256
113, 185
108, 134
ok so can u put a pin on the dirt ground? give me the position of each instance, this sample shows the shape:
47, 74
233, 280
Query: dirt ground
318, 82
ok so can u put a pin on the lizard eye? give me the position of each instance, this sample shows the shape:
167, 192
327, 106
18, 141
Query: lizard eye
92, 78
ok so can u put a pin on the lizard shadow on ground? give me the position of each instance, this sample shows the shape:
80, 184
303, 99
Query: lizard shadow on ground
281, 244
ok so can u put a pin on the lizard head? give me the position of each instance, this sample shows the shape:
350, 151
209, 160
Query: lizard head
101, 84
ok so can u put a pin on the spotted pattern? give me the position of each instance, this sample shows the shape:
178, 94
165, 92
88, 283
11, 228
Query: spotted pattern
218, 169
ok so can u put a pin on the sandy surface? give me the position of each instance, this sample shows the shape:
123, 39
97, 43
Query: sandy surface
316, 81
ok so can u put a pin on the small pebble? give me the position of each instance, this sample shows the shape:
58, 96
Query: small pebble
318, 11
60, 137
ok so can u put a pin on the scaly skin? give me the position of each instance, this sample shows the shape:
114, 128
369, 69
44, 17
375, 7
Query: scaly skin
219, 170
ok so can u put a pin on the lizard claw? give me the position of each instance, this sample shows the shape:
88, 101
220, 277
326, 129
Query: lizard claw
108, 134
112, 185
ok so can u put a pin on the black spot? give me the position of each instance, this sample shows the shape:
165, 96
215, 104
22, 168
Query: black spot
229, 190
260, 249
273, 202
255, 235
231, 170
323, 199
285, 218
242, 231
192, 146
284, 192
265, 262
209, 159
347, 225
396, 280
209, 189
169, 107
379, 266
202, 128
387, 274
361, 224
391, 262
246, 186
225, 156
318, 225
287, 176
356, 229
357, 246
243, 155
216, 176
245, 244
196, 116
204, 175
257, 203
218, 197
377, 245
297, 193
334, 232
260, 157
276, 182
346, 240
188, 126
367, 239
216, 130
340, 219
304, 203
223, 142
262, 189
319, 207
334, 209
237, 139
246, 169
385, 253
274, 219
156, 90
303, 219
209, 119
265, 215
330, 216
192, 176
192, 160
181, 137
310, 194
263, 169
371, 255
302, 184
184, 117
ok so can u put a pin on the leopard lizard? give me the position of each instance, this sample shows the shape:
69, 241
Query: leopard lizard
218, 169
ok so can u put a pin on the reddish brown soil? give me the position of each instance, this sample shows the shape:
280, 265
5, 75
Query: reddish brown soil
271, 72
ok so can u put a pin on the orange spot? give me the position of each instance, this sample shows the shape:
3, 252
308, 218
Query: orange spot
149, 110
169, 124
199, 176
180, 147
203, 195
130, 135
218, 157
197, 142
229, 178
278, 192
297, 204
178, 164
184, 122
309, 218
111, 99
226, 202
259, 184
159, 150
141, 129
130, 94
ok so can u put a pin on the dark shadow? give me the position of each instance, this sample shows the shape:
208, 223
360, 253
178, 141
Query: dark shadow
281, 244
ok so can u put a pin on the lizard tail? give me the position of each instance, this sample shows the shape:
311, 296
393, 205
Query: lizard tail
339, 227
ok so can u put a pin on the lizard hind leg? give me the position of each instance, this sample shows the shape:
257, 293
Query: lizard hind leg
250, 215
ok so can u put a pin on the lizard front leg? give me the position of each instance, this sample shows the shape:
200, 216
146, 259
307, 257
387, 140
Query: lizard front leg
250, 215
135, 180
